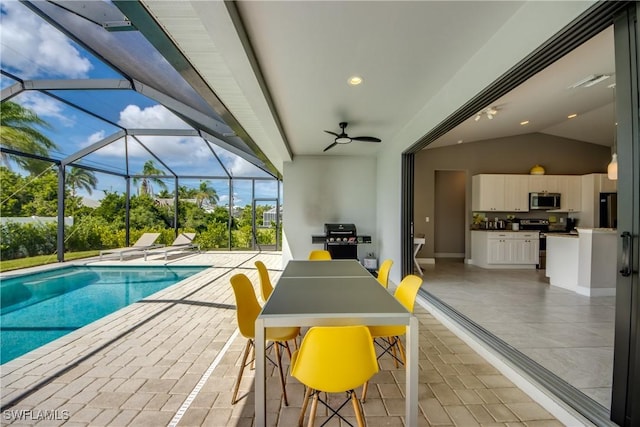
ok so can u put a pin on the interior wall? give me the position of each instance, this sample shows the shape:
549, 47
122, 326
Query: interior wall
449, 214
512, 155
327, 189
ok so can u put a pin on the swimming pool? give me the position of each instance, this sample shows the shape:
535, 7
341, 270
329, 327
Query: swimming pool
38, 308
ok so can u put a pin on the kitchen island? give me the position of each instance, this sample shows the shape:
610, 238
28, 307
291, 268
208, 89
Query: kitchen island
585, 262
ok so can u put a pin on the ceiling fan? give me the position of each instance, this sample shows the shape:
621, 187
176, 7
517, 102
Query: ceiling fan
343, 138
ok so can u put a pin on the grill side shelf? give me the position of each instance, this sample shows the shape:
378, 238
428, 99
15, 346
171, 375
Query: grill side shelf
321, 240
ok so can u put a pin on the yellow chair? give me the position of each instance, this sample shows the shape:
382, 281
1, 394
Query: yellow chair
265, 282
319, 255
247, 311
405, 293
334, 359
383, 272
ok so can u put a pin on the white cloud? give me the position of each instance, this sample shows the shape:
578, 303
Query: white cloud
154, 117
47, 109
33, 48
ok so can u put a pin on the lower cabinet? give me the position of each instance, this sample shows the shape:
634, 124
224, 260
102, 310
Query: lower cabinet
498, 249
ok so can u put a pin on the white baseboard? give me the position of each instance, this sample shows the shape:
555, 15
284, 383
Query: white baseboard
449, 255
426, 260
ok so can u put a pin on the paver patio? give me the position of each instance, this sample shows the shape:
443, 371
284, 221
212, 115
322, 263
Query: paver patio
172, 358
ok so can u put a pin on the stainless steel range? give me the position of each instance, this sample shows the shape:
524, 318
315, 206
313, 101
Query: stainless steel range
541, 225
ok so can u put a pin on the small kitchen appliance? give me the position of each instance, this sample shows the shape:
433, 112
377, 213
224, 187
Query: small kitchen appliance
544, 201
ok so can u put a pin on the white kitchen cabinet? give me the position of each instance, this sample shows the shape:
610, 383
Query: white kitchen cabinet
505, 249
607, 185
487, 193
516, 193
571, 193
500, 193
544, 184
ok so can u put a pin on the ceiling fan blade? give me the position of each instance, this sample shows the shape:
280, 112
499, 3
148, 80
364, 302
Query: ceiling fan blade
332, 133
330, 146
366, 139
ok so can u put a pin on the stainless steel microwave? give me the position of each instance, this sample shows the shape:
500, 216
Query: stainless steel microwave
544, 201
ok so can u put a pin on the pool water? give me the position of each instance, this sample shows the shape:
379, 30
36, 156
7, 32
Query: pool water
38, 308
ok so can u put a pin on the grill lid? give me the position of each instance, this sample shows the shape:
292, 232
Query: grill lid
340, 230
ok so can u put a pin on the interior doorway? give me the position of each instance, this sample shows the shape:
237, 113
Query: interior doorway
449, 214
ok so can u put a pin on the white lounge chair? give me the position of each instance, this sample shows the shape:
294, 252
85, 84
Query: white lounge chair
184, 242
146, 241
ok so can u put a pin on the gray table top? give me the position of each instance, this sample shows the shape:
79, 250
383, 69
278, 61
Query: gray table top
332, 297
333, 268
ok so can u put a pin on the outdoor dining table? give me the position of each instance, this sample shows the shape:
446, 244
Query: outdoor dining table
333, 293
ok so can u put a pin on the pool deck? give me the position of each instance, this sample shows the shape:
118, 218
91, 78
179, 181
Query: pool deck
172, 358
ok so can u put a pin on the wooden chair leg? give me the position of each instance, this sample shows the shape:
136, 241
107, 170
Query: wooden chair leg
402, 352
305, 402
392, 345
286, 345
357, 409
282, 383
365, 387
249, 346
314, 408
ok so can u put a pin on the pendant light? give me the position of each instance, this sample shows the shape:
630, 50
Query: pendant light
612, 168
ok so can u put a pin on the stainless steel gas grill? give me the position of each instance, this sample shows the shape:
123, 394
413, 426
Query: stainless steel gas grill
341, 240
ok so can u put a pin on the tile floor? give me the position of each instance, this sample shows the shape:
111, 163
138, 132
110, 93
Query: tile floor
569, 334
172, 358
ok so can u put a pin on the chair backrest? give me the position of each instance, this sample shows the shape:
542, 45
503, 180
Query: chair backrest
184, 239
407, 291
147, 239
319, 255
265, 282
247, 306
383, 272
335, 358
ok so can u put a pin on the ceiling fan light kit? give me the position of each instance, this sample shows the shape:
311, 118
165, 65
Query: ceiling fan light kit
489, 113
343, 138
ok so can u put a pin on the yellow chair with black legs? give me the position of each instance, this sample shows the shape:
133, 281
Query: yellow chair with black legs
265, 282
247, 311
334, 359
383, 272
319, 255
406, 294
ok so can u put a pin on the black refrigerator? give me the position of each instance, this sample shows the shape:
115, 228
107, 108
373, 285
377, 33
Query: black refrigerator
608, 210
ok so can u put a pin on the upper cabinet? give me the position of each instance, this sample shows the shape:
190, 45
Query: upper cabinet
544, 183
500, 193
487, 193
510, 193
516, 193
570, 187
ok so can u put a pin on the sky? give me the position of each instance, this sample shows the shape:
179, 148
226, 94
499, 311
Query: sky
32, 49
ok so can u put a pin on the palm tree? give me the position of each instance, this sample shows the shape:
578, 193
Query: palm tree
79, 178
206, 193
17, 131
149, 169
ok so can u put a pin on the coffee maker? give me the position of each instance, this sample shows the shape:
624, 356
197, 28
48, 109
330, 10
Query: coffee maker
571, 224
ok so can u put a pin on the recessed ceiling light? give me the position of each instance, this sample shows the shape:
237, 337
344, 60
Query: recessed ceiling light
571, 116
526, 122
354, 80
459, 141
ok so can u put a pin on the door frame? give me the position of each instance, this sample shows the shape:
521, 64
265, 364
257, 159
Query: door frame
625, 402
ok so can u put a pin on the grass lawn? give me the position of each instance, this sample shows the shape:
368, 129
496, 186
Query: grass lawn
14, 264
